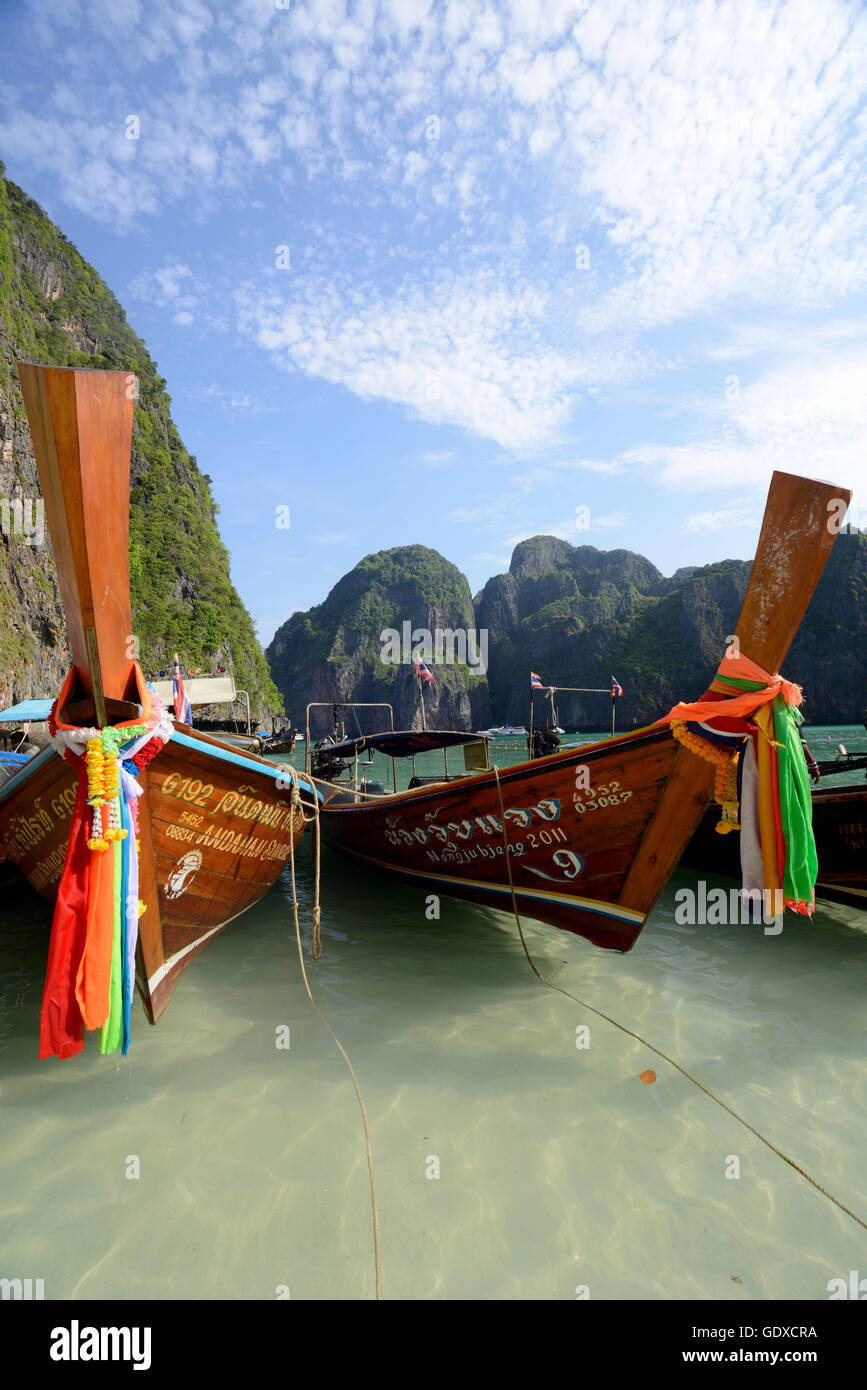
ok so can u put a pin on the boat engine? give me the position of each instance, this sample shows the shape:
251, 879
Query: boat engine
325, 764
543, 744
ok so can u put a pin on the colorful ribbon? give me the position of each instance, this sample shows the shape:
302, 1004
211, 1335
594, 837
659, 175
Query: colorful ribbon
768, 705
91, 956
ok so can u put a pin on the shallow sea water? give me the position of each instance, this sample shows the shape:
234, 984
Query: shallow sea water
558, 1168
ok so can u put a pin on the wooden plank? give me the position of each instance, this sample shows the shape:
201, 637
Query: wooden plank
150, 954
794, 544
681, 807
81, 426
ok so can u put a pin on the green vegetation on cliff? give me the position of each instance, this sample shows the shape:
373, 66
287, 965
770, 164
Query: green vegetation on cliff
577, 615
333, 651
54, 308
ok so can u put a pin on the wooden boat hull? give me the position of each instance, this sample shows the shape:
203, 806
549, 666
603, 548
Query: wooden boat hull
840, 828
573, 851
216, 831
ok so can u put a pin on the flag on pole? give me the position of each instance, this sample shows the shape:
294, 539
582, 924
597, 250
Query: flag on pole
183, 713
422, 671
616, 688
535, 683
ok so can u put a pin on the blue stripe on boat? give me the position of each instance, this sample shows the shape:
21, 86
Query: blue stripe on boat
230, 756
37, 761
208, 749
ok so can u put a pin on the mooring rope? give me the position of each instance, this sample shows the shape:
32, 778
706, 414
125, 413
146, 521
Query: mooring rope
658, 1051
295, 802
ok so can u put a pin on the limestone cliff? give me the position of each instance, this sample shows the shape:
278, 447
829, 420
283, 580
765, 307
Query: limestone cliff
335, 651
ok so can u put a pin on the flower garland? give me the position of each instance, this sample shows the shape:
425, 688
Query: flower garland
91, 962
103, 784
726, 780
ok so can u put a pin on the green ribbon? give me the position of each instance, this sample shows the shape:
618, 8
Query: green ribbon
795, 799
111, 1032
796, 810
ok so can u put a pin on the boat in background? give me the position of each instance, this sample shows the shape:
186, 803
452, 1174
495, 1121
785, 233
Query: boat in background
840, 831
592, 832
843, 761
205, 691
215, 825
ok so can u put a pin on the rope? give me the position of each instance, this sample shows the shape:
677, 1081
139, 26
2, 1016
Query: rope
658, 1052
296, 803
23, 739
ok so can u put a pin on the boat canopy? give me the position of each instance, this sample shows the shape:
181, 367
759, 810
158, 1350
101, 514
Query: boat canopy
402, 743
28, 712
200, 690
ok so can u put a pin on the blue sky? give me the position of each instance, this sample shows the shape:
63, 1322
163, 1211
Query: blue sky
445, 273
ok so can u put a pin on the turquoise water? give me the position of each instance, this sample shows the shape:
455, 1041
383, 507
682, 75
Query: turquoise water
558, 1168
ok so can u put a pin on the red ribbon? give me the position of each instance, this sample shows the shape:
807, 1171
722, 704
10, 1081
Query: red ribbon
62, 1026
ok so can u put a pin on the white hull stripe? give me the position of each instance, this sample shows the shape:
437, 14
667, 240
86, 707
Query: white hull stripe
623, 914
169, 965
166, 969
843, 888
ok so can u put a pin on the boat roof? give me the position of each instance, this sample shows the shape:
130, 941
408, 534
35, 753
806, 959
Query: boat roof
27, 712
403, 743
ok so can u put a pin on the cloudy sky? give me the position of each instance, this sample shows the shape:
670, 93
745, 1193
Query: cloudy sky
461, 273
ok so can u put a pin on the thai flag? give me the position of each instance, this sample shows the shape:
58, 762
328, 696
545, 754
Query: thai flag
423, 672
183, 713
535, 683
616, 688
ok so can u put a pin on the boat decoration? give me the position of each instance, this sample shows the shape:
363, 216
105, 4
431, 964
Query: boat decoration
751, 734
91, 960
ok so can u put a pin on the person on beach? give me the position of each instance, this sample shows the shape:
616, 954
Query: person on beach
812, 765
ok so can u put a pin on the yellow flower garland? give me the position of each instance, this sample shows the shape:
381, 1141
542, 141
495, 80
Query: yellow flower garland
95, 759
726, 781
103, 787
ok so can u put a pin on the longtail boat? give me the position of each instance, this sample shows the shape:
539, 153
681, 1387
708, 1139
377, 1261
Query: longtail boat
592, 833
213, 827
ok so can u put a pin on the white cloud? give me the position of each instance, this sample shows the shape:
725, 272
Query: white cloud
235, 402
807, 416
464, 352
612, 521
715, 151
710, 156
181, 291
436, 458
725, 519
